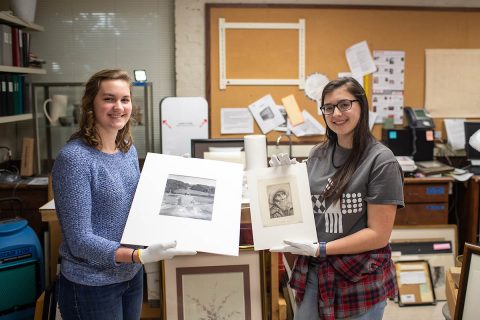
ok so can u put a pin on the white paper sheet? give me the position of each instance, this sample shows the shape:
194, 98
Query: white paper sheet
266, 114
455, 133
349, 74
372, 117
309, 127
296, 221
236, 120
194, 201
412, 277
360, 60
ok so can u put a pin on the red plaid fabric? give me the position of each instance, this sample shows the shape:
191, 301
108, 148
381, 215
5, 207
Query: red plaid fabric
348, 285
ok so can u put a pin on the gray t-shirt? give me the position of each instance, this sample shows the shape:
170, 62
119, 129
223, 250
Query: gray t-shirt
377, 180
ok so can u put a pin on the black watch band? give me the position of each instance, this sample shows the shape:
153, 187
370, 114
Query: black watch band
322, 249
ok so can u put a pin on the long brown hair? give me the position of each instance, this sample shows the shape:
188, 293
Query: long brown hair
87, 130
361, 137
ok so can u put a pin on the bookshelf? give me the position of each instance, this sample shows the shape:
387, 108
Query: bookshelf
11, 74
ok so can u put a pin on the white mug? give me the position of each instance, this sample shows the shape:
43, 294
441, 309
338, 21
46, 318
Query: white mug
58, 108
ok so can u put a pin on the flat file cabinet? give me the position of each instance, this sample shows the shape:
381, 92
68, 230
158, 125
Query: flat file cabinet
426, 201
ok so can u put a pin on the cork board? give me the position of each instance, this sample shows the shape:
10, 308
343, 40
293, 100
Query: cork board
329, 30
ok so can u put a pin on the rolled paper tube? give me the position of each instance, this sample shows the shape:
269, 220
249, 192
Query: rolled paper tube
255, 151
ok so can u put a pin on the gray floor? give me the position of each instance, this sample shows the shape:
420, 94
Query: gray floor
394, 312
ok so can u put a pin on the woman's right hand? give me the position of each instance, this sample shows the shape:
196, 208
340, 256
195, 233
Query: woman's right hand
162, 251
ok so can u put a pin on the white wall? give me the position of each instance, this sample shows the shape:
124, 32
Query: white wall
190, 33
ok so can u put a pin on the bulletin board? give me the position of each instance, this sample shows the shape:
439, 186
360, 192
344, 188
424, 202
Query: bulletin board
329, 31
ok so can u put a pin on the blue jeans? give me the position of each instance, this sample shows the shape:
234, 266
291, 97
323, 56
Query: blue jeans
308, 309
111, 302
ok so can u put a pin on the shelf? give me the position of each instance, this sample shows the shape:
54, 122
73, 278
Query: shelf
18, 117
12, 20
11, 69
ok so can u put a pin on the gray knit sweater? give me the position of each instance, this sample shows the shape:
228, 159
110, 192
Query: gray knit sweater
93, 192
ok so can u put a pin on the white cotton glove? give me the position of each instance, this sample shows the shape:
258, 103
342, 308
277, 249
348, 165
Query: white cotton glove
298, 247
281, 159
162, 251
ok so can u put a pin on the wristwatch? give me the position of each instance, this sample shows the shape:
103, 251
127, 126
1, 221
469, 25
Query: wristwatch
322, 249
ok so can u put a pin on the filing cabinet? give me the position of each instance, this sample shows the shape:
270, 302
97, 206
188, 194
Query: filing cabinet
426, 201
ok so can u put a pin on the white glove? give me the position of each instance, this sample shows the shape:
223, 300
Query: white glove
162, 251
281, 159
298, 247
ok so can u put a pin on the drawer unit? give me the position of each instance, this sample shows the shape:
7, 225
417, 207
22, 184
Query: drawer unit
426, 201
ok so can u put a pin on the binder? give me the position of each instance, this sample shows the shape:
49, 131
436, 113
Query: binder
6, 47
3, 95
10, 108
15, 48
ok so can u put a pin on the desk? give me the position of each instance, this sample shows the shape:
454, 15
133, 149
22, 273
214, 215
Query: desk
468, 210
32, 196
426, 201
49, 215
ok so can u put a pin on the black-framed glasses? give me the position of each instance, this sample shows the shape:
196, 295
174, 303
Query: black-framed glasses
342, 105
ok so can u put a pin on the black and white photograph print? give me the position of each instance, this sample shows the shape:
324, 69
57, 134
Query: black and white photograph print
267, 114
188, 197
280, 200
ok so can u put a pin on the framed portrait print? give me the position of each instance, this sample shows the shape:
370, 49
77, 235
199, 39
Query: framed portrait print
209, 286
280, 206
469, 288
196, 202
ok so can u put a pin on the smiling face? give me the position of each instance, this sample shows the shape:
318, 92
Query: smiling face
112, 107
343, 123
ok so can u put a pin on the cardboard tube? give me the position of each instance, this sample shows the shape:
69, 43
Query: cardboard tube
255, 151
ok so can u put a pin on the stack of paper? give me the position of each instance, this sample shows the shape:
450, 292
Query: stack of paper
407, 163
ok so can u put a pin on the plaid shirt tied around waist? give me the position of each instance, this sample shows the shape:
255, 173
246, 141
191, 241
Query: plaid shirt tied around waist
348, 285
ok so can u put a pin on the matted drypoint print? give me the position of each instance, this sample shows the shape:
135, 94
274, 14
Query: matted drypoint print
227, 295
281, 197
188, 197
195, 202
280, 206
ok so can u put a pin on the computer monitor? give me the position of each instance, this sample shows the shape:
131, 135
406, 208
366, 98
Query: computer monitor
470, 129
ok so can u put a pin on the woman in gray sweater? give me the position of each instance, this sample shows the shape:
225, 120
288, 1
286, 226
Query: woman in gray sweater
94, 180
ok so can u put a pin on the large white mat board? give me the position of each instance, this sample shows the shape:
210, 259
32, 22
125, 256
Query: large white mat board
270, 227
194, 201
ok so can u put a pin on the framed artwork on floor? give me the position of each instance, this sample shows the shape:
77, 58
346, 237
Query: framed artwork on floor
469, 288
209, 286
415, 286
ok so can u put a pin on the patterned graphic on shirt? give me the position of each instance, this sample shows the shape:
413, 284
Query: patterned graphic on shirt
350, 203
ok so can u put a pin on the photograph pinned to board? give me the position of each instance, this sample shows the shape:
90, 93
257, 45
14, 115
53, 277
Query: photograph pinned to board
284, 126
310, 127
266, 113
280, 206
196, 202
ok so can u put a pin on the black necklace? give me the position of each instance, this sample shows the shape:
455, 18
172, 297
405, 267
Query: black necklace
333, 156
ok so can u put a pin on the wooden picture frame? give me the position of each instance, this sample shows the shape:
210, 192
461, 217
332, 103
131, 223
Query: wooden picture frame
200, 146
415, 285
234, 286
469, 288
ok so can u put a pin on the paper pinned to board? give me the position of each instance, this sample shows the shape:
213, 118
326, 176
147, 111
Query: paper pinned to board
293, 110
360, 59
455, 133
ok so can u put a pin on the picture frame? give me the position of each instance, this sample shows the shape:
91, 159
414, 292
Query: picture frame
199, 147
441, 256
183, 200
280, 206
415, 286
469, 287
236, 286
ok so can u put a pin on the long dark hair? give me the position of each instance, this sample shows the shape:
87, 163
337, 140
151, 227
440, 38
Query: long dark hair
361, 137
88, 131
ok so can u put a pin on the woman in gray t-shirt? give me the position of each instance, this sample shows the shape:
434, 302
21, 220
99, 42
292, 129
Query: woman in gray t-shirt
356, 186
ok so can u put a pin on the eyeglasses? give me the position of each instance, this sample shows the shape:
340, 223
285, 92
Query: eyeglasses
342, 106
